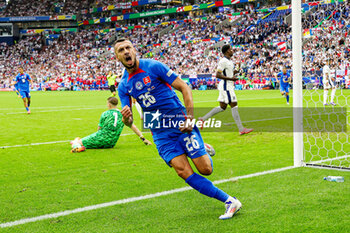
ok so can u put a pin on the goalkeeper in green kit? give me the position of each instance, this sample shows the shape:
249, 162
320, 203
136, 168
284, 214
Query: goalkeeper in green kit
109, 130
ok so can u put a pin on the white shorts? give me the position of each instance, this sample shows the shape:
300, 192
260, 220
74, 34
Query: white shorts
227, 96
328, 84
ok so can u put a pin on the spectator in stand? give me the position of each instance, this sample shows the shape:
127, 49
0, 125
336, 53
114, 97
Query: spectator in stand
74, 58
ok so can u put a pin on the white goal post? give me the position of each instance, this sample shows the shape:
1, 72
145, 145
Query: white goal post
297, 83
324, 27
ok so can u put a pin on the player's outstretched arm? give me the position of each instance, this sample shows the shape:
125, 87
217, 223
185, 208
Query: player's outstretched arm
127, 116
180, 85
138, 133
15, 81
220, 75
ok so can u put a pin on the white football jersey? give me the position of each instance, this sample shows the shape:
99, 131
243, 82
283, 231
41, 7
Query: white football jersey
226, 66
333, 73
326, 71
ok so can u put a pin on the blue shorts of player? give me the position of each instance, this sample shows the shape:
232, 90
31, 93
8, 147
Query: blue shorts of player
179, 143
285, 88
24, 94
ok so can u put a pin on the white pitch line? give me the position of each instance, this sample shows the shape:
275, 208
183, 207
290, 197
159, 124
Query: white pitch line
66, 108
132, 199
34, 144
45, 143
53, 110
209, 101
54, 142
329, 167
271, 119
47, 107
76, 108
268, 119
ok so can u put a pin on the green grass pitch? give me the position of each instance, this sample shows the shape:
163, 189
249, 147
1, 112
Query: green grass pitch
46, 178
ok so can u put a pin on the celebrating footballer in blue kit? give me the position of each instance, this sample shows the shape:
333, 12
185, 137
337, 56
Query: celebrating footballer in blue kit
150, 82
284, 79
22, 84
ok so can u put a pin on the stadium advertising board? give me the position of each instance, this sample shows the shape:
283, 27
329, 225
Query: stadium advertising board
126, 5
37, 18
190, 8
165, 11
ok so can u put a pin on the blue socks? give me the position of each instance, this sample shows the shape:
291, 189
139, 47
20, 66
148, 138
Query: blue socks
206, 187
287, 96
27, 109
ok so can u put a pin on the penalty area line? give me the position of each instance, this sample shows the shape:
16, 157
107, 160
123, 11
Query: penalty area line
52, 110
132, 199
46, 143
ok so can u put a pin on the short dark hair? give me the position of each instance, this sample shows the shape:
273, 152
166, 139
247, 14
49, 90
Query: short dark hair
225, 48
120, 40
113, 101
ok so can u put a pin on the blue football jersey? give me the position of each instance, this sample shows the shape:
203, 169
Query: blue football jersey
23, 82
150, 85
283, 78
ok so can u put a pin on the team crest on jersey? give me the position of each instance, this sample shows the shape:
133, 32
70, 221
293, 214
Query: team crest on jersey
147, 81
139, 85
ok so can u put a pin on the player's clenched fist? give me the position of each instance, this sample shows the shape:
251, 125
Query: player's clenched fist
127, 115
187, 126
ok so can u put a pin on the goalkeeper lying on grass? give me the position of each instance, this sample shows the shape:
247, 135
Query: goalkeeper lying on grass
109, 130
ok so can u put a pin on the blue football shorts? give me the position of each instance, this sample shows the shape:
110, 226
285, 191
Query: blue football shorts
177, 143
285, 88
24, 94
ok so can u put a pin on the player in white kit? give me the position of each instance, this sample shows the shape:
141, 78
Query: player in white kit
227, 96
328, 82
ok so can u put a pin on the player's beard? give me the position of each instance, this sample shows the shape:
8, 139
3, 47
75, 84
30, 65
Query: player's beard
126, 65
129, 66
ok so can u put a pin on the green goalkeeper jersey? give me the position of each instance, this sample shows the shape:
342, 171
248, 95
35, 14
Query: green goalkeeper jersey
111, 122
111, 127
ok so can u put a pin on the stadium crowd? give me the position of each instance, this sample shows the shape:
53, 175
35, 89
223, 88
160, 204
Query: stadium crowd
43, 7
73, 59
82, 60
252, 50
321, 45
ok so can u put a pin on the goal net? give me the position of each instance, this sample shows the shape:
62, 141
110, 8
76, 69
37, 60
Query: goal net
325, 75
